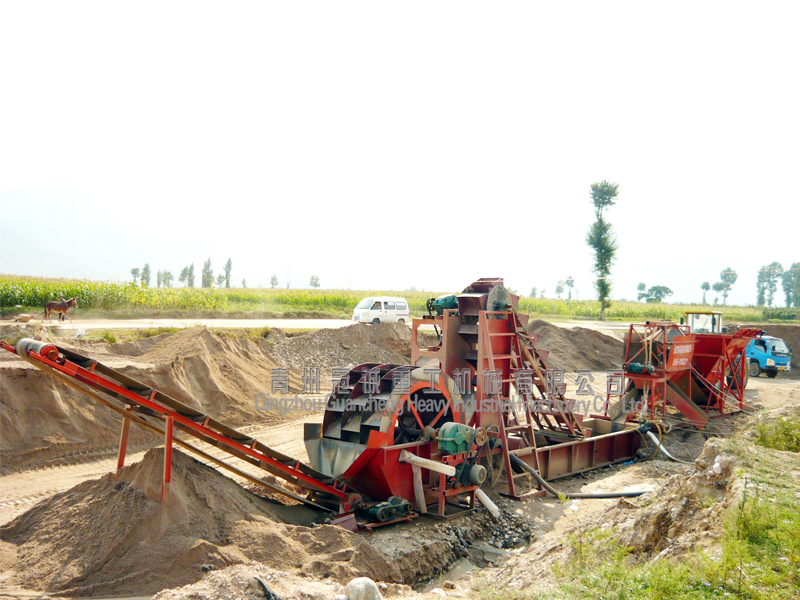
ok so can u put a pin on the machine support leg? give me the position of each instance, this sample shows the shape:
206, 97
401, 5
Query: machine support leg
419, 492
167, 458
123, 444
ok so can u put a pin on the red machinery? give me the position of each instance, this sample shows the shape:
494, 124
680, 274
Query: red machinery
398, 437
702, 375
486, 376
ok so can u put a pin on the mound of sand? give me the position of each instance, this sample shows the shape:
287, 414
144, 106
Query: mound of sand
43, 418
345, 347
578, 349
113, 537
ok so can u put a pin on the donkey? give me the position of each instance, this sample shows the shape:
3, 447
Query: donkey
62, 308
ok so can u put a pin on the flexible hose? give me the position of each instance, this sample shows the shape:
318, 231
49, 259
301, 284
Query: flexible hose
664, 450
517, 461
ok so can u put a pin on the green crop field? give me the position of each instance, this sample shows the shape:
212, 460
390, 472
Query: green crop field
30, 294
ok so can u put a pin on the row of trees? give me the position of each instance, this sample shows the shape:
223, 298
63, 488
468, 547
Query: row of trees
187, 276
767, 284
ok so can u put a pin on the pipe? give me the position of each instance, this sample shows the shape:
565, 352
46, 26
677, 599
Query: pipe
516, 460
487, 502
659, 446
413, 459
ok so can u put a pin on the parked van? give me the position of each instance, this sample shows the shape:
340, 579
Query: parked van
382, 309
770, 355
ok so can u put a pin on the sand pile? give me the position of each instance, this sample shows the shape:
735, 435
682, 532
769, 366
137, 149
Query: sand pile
111, 537
348, 346
43, 419
578, 348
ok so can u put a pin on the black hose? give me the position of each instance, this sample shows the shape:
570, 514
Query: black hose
517, 461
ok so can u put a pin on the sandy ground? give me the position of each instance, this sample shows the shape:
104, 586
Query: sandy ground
616, 329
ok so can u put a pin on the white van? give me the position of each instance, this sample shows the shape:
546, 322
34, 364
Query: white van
382, 309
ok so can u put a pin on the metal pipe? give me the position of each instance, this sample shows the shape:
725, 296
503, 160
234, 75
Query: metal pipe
558, 494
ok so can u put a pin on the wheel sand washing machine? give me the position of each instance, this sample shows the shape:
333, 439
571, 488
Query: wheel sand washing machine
480, 403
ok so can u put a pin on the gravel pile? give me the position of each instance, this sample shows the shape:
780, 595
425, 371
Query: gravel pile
387, 343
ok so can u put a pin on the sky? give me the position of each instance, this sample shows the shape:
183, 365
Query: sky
397, 145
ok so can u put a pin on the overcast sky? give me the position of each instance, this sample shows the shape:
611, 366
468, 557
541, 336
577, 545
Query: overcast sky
389, 145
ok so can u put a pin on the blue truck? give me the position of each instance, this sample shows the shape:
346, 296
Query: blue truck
768, 355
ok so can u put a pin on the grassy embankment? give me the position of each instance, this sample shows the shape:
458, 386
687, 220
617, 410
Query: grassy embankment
757, 556
119, 300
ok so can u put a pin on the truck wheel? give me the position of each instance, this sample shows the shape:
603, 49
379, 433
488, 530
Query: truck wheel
376, 321
401, 321
754, 369
772, 374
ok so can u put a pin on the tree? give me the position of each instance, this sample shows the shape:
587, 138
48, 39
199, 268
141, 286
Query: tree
146, 275
314, 281
166, 278
559, 289
184, 274
728, 277
159, 278
190, 276
767, 283
717, 287
288, 278
657, 293
273, 281
244, 283
705, 287
543, 293
791, 285
534, 289
135, 272
227, 268
601, 239
642, 289
220, 280
207, 276
570, 281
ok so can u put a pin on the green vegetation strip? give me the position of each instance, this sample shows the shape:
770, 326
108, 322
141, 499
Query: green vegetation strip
126, 300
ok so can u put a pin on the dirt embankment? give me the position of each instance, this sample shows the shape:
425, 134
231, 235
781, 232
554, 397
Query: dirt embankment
43, 419
578, 349
114, 537
387, 343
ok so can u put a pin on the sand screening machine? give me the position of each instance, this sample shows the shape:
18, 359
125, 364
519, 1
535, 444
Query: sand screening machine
480, 409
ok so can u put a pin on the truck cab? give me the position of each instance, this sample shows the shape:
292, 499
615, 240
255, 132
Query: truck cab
769, 355
705, 321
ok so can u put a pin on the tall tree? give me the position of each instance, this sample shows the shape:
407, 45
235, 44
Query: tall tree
244, 283
190, 276
559, 289
728, 277
146, 275
642, 289
767, 283
602, 240
791, 285
184, 274
288, 278
166, 278
570, 281
220, 280
135, 272
717, 287
273, 281
227, 268
207, 275
534, 289
705, 287
314, 281
159, 277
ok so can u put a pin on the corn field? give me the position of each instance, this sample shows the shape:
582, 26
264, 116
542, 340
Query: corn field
35, 292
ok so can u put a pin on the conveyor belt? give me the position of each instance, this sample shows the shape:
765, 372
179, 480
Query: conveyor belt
150, 404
